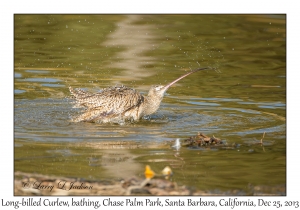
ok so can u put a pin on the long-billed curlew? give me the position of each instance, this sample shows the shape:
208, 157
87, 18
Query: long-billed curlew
120, 103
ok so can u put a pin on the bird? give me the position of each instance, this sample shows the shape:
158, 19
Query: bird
118, 104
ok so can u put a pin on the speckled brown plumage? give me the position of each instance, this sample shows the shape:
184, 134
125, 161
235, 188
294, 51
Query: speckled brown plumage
119, 103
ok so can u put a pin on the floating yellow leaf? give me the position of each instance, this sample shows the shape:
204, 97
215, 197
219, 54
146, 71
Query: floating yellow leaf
167, 172
148, 172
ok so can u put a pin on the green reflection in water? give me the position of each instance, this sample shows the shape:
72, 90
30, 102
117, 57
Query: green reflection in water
242, 99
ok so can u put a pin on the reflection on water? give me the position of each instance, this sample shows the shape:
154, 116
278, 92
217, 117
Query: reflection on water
240, 101
135, 42
44, 80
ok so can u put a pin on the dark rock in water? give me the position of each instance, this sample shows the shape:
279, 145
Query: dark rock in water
202, 141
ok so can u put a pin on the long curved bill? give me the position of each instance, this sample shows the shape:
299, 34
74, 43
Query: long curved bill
183, 76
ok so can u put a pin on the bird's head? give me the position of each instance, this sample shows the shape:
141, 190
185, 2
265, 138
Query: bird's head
159, 90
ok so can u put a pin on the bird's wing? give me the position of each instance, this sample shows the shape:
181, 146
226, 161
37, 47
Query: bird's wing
111, 101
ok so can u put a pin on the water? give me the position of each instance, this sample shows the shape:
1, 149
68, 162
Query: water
243, 98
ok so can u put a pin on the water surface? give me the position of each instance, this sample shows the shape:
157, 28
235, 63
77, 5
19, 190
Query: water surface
243, 98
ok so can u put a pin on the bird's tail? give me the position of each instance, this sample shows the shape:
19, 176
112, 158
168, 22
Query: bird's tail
72, 91
79, 93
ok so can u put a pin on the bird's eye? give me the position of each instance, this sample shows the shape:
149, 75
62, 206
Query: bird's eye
157, 87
